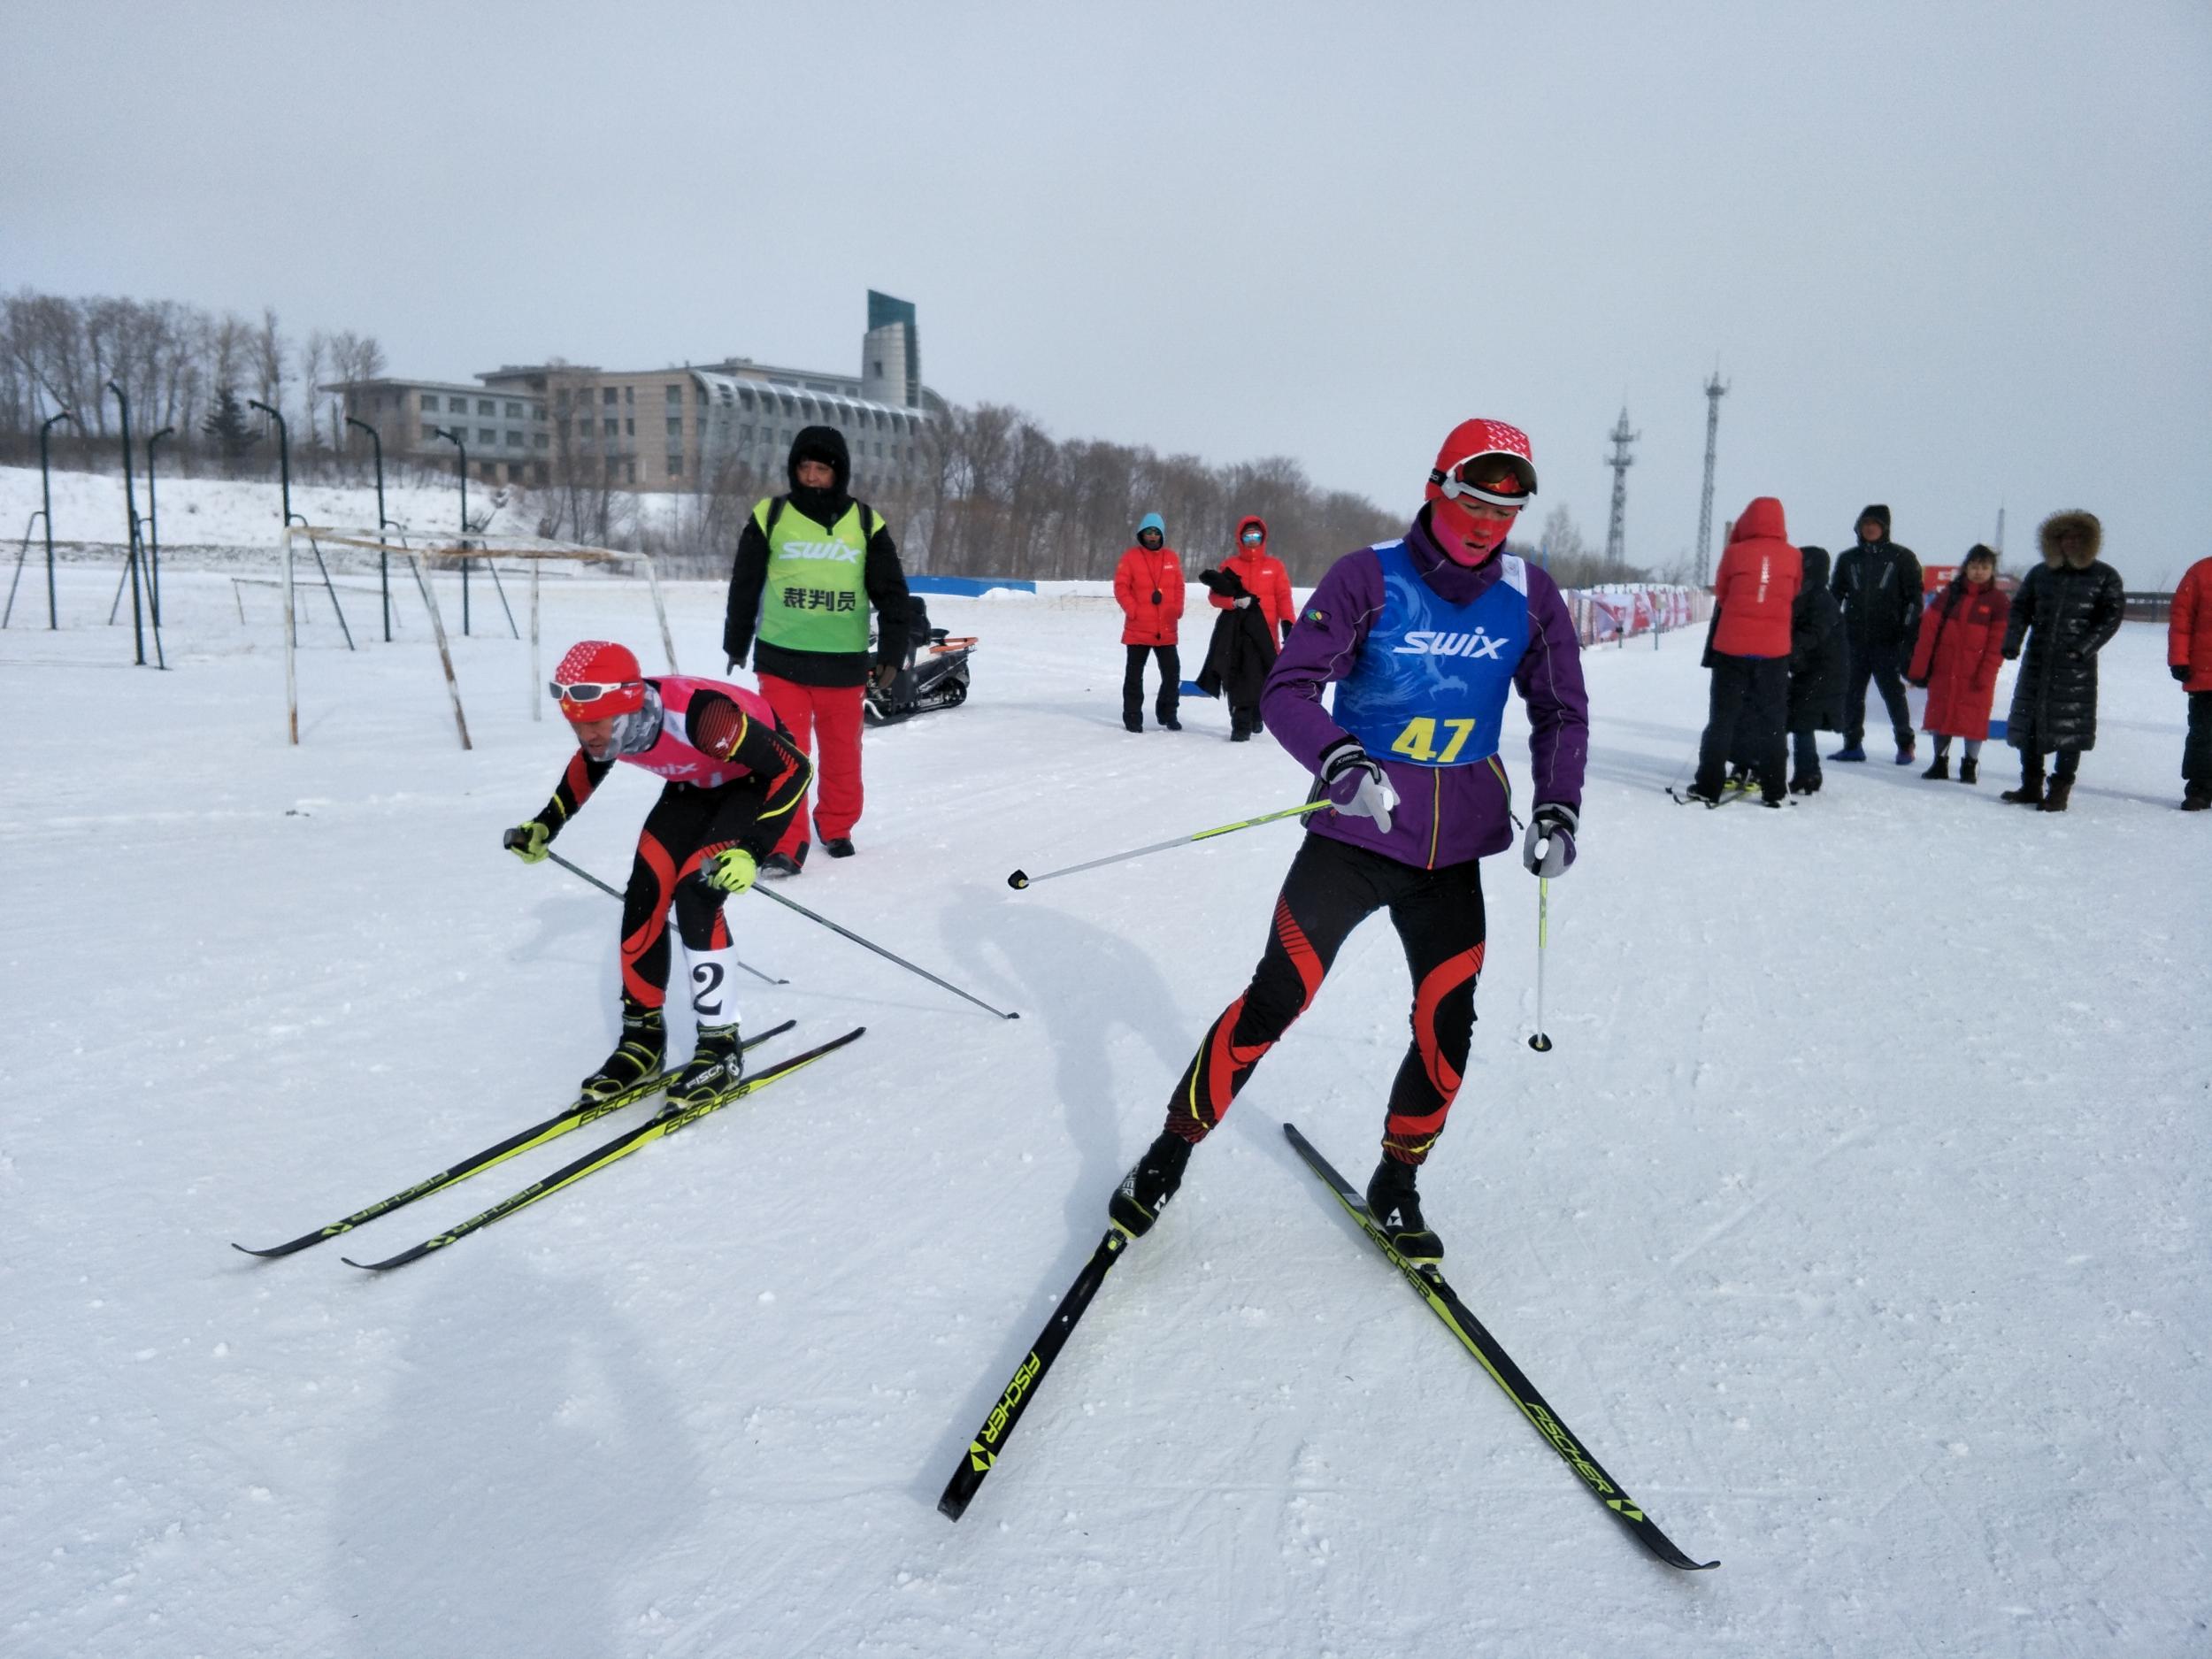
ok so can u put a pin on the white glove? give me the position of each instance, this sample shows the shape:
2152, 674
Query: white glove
1357, 784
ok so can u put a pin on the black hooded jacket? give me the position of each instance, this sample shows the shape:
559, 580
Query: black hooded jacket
2066, 617
1878, 583
882, 576
1818, 668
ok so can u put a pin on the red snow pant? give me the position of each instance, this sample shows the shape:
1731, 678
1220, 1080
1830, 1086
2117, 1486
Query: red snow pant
831, 713
1332, 887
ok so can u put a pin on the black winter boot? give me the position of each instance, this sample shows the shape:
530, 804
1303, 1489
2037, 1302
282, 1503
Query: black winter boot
1137, 1202
1970, 769
2054, 796
636, 1057
2031, 790
2197, 797
717, 1066
1396, 1208
1132, 722
1939, 768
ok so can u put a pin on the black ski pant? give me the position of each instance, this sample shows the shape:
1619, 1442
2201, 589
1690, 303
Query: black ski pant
1750, 700
1879, 663
2196, 753
1330, 889
1133, 682
686, 825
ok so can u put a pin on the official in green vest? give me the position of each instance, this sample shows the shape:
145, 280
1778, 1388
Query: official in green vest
809, 566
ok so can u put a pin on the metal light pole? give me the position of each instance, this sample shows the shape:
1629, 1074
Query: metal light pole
1715, 389
284, 479
130, 505
153, 526
448, 433
383, 568
46, 505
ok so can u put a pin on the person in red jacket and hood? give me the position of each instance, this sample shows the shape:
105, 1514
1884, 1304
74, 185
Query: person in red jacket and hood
2189, 657
1748, 652
1149, 587
1250, 579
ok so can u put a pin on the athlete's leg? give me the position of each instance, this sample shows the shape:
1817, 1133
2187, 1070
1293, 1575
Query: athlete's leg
672, 829
1332, 887
1442, 927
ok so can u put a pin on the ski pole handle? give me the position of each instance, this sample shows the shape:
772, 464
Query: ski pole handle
1021, 879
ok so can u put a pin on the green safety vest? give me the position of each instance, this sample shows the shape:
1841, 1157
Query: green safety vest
815, 596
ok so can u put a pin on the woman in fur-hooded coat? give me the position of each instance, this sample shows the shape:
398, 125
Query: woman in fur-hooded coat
2066, 610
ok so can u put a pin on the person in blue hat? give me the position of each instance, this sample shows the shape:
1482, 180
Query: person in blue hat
1148, 587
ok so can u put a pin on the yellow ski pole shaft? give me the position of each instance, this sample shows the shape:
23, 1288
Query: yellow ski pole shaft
1021, 879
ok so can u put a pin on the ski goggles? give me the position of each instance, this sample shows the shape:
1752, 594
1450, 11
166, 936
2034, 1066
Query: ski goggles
1454, 484
1252, 537
589, 690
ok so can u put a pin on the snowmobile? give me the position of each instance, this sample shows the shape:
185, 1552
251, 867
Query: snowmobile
935, 675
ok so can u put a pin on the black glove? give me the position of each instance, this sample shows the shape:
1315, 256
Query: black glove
2013, 655
2180, 672
1548, 848
1920, 684
1285, 633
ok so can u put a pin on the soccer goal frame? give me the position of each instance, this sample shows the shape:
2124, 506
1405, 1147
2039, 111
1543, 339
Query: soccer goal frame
452, 552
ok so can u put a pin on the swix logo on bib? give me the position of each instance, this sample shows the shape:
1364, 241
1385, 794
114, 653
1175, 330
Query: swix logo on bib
827, 552
1421, 642
1429, 686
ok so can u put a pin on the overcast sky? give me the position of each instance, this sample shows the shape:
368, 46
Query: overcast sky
1950, 255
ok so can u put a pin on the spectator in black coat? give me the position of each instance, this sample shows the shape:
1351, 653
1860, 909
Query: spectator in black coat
1878, 583
1818, 667
1239, 655
2066, 610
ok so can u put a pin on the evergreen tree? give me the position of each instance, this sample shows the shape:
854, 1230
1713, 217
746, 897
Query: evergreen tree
228, 425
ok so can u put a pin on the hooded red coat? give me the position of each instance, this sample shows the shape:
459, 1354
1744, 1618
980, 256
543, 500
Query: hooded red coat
1264, 578
1961, 640
1140, 575
1757, 582
2189, 628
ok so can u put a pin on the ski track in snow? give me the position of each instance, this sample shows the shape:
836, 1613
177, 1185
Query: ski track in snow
1854, 1223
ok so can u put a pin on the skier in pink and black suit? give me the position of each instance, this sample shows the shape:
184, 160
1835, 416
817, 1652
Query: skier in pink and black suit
732, 776
1422, 638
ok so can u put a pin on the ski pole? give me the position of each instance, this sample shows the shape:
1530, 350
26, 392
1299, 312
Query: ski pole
848, 934
1022, 879
588, 876
1541, 1043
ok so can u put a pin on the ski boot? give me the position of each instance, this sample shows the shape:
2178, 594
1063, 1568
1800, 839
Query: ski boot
717, 1066
1396, 1209
638, 1056
1137, 1202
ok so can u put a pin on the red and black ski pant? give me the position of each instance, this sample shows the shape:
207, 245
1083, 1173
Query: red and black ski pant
1330, 889
686, 825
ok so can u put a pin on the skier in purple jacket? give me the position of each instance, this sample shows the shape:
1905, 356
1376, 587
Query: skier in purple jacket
1422, 638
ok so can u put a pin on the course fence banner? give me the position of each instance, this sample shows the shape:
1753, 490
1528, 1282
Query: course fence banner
1617, 613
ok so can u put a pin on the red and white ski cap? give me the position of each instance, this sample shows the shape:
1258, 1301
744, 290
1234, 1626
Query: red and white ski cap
598, 679
1483, 440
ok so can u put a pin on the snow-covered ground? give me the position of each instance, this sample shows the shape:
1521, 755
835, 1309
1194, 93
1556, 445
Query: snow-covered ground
1855, 1222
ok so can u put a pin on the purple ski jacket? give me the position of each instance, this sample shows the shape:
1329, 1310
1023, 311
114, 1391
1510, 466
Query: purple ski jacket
1446, 814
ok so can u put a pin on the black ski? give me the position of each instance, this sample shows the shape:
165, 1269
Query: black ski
1428, 1284
664, 1122
576, 1117
983, 1451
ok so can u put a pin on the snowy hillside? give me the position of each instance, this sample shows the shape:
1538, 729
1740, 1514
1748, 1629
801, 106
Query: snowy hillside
1855, 1223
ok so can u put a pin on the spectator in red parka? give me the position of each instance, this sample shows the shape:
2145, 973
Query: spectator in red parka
1263, 575
2189, 656
1961, 640
1148, 587
1748, 652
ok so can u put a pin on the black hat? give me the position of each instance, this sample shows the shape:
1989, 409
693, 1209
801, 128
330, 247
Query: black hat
827, 445
1879, 513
